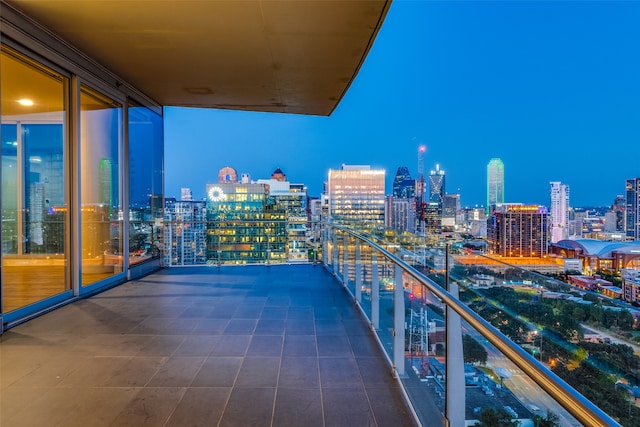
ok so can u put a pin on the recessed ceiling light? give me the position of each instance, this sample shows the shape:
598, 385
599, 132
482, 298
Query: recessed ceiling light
25, 102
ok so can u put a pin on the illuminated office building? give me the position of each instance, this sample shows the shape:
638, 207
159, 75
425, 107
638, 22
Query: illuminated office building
291, 199
433, 218
404, 187
495, 184
244, 225
515, 230
633, 209
559, 214
433, 207
356, 196
436, 186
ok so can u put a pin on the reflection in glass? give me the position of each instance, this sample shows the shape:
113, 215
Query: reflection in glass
101, 215
34, 200
145, 183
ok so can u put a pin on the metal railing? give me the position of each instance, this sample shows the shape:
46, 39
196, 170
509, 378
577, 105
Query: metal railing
367, 270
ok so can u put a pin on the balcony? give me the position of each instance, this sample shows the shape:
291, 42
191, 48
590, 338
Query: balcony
363, 339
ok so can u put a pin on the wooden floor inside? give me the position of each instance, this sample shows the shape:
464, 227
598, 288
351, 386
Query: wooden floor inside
24, 285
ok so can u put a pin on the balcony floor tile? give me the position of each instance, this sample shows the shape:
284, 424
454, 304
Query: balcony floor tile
261, 345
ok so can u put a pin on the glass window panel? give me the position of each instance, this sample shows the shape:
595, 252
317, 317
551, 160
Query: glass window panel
34, 198
100, 182
9, 138
145, 183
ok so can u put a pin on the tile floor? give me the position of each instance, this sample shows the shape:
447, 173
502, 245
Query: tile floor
205, 346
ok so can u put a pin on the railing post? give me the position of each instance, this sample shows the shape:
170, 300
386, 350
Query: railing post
336, 265
345, 261
398, 322
375, 292
325, 245
358, 271
455, 361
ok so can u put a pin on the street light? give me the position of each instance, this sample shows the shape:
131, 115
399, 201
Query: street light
536, 333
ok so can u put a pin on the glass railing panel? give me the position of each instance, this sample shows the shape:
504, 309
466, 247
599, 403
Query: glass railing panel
425, 376
368, 262
495, 388
386, 288
434, 366
568, 331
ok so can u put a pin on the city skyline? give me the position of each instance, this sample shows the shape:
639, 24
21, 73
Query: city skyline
471, 81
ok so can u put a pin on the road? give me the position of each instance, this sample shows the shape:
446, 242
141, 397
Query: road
614, 340
523, 387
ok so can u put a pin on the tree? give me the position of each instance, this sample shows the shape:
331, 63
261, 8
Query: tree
473, 351
496, 418
551, 420
625, 320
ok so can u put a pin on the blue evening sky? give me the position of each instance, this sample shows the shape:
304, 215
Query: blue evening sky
552, 88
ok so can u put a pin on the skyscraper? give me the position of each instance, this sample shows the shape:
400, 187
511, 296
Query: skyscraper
495, 183
356, 196
559, 211
450, 208
244, 224
436, 186
292, 200
404, 187
619, 207
400, 214
633, 209
184, 232
515, 230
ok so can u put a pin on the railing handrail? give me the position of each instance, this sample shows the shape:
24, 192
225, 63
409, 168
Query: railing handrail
570, 399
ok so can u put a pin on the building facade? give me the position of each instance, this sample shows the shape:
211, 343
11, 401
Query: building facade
244, 225
436, 185
185, 232
433, 218
619, 207
631, 290
633, 209
450, 210
404, 186
292, 200
356, 196
495, 183
559, 211
400, 214
518, 230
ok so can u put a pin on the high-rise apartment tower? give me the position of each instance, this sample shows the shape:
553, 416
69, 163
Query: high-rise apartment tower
516, 230
559, 211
